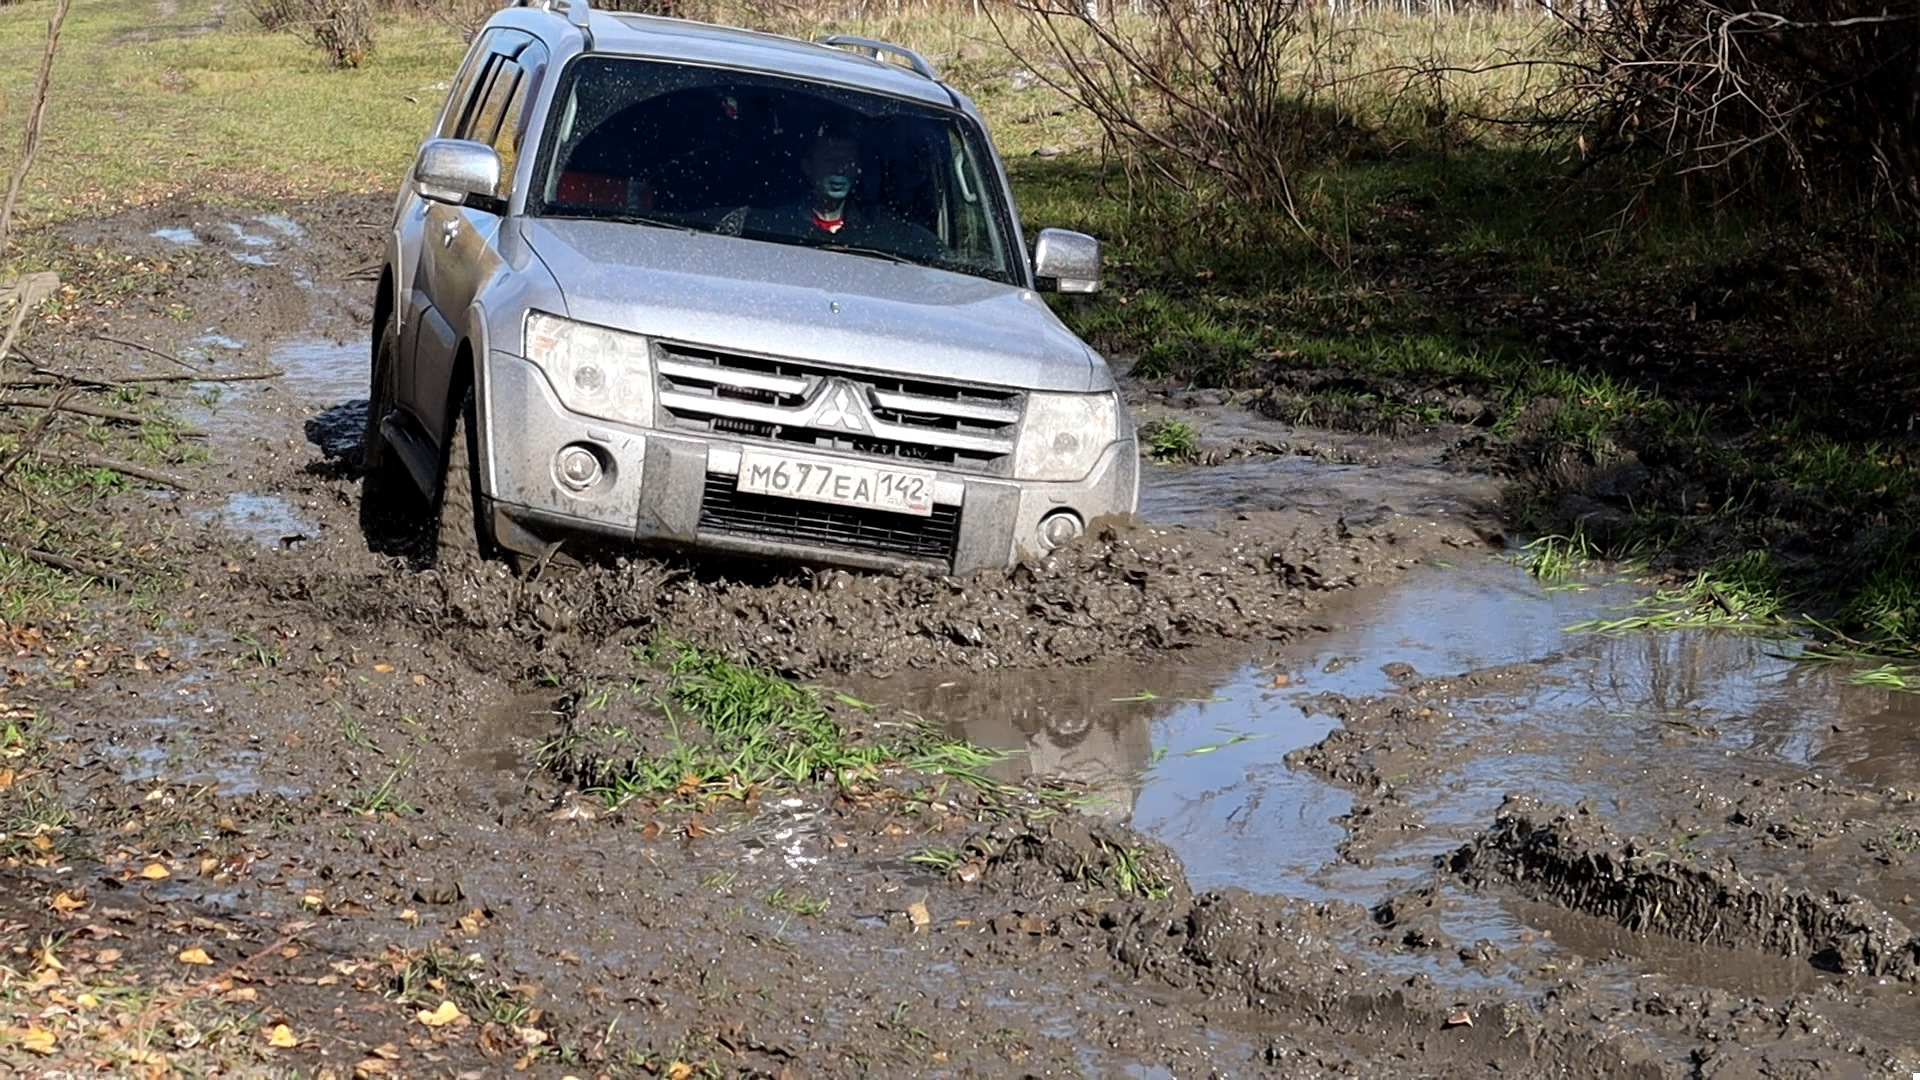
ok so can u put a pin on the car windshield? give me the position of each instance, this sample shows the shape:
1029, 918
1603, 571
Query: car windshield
774, 159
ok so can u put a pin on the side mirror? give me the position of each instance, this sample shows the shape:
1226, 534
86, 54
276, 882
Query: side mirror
456, 171
1066, 261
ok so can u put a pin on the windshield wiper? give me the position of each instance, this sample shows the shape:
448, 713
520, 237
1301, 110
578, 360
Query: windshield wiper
649, 219
869, 252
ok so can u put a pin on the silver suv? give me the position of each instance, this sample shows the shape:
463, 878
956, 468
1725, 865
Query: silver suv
658, 282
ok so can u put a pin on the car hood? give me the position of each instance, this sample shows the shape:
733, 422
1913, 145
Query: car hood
749, 296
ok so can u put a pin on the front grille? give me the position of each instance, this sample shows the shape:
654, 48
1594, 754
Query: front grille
731, 512
788, 401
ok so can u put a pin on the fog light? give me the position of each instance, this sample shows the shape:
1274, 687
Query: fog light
579, 468
1059, 527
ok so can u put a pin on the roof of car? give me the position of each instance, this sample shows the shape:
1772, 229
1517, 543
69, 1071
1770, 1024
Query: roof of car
658, 37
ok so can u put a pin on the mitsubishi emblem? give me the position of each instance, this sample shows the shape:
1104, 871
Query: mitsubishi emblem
841, 408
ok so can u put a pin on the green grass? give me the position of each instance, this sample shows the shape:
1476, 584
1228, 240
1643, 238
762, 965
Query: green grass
195, 100
1171, 440
1745, 592
698, 726
1125, 870
1555, 558
1902, 678
799, 902
425, 977
382, 798
33, 819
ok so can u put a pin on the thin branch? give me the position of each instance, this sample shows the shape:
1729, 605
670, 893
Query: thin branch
118, 416
138, 472
71, 566
161, 353
30, 140
51, 377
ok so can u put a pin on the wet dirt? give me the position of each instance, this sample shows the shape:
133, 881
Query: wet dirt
1291, 705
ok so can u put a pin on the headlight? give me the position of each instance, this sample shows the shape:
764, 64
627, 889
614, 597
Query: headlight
1065, 434
596, 371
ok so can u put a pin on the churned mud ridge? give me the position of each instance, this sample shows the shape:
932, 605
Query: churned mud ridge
1127, 591
1573, 858
1281, 966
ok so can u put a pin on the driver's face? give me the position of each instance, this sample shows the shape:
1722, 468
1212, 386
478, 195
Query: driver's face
830, 158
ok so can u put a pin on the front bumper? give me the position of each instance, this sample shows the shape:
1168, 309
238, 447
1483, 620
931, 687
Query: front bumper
676, 489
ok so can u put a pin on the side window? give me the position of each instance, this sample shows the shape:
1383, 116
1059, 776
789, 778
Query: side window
491, 106
511, 134
498, 111
460, 98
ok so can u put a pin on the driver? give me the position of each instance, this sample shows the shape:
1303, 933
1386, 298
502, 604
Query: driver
838, 209
831, 165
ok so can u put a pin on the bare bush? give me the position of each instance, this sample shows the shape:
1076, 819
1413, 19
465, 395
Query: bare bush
276, 14
1742, 93
341, 29
1212, 96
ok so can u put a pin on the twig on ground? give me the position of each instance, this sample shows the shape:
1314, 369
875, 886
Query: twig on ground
50, 377
118, 416
138, 472
32, 436
161, 353
71, 566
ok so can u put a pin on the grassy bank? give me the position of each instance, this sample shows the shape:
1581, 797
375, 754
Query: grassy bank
156, 102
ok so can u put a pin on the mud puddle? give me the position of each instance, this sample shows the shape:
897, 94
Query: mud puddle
1348, 765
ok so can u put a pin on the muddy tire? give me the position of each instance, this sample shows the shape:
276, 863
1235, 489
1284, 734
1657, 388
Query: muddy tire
460, 536
391, 507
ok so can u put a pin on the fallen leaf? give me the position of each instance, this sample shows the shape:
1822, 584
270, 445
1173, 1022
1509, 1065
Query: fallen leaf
1459, 1018
383, 668
87, 1001
917, 911
679, 1070
372, 1067
282, 1036
64, 902
155, 872
473, 921
106, 956
38, 1040
446, 1014
530, 1036
195, 955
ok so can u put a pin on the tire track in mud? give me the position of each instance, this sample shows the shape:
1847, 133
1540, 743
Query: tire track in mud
1574, 859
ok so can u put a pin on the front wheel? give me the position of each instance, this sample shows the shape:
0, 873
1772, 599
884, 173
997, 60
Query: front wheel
390, 503
461, 536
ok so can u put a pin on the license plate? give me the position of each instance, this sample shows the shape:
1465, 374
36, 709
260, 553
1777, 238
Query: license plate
791, 476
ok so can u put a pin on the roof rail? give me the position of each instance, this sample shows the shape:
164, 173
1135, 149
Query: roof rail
874, 48
577, 10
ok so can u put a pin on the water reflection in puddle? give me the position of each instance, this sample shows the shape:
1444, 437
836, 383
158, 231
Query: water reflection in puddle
321, 371
1205, 495
268, 519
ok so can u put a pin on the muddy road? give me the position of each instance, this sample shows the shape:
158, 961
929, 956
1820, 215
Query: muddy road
1308, 779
